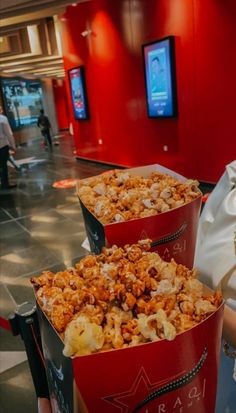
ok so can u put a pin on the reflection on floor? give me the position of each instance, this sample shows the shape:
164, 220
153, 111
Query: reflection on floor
40, 228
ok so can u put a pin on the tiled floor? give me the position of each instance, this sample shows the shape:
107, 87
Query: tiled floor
40, 228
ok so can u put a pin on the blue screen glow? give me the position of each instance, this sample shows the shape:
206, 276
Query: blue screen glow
159, 82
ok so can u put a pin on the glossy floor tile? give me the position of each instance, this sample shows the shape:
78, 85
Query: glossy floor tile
16, 242
17, 390
8, 304
10, 342
16, 264
9, 229
3, 216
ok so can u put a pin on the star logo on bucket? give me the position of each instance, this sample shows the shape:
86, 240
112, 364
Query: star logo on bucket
147, 392
141, 386
65, 183
144, 235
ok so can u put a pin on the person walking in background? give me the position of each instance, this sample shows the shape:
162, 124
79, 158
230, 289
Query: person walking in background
7, 142
44, 125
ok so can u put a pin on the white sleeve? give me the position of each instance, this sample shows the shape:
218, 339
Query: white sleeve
215, 251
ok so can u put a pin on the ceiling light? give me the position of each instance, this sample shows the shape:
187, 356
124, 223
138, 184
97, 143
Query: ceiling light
19, 69
48, 69
37, 59
33, 35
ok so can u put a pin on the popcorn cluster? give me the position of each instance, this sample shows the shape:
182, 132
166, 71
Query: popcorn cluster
122, 297
118, 196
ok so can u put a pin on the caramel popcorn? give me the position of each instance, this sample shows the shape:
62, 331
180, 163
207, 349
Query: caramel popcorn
117, 196
122, 297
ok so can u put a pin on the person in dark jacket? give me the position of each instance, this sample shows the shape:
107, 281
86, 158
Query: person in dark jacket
44, 125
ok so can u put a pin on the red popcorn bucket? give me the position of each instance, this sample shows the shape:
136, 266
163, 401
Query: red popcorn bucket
176, 376
173, 233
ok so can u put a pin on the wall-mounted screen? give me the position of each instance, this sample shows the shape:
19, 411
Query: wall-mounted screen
78, 93
23, 99
159, 66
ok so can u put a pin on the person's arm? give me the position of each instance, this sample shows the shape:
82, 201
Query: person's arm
44, 405
8, 133
229, 326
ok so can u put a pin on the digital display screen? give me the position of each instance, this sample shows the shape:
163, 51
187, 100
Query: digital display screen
22, 100
78, 93
160, 78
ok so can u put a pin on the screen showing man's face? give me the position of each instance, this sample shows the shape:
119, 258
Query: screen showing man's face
155, 66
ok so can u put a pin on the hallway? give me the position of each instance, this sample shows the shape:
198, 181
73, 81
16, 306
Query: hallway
41, 228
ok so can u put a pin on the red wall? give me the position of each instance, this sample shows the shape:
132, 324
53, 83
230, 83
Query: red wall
202, 139
61, 99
